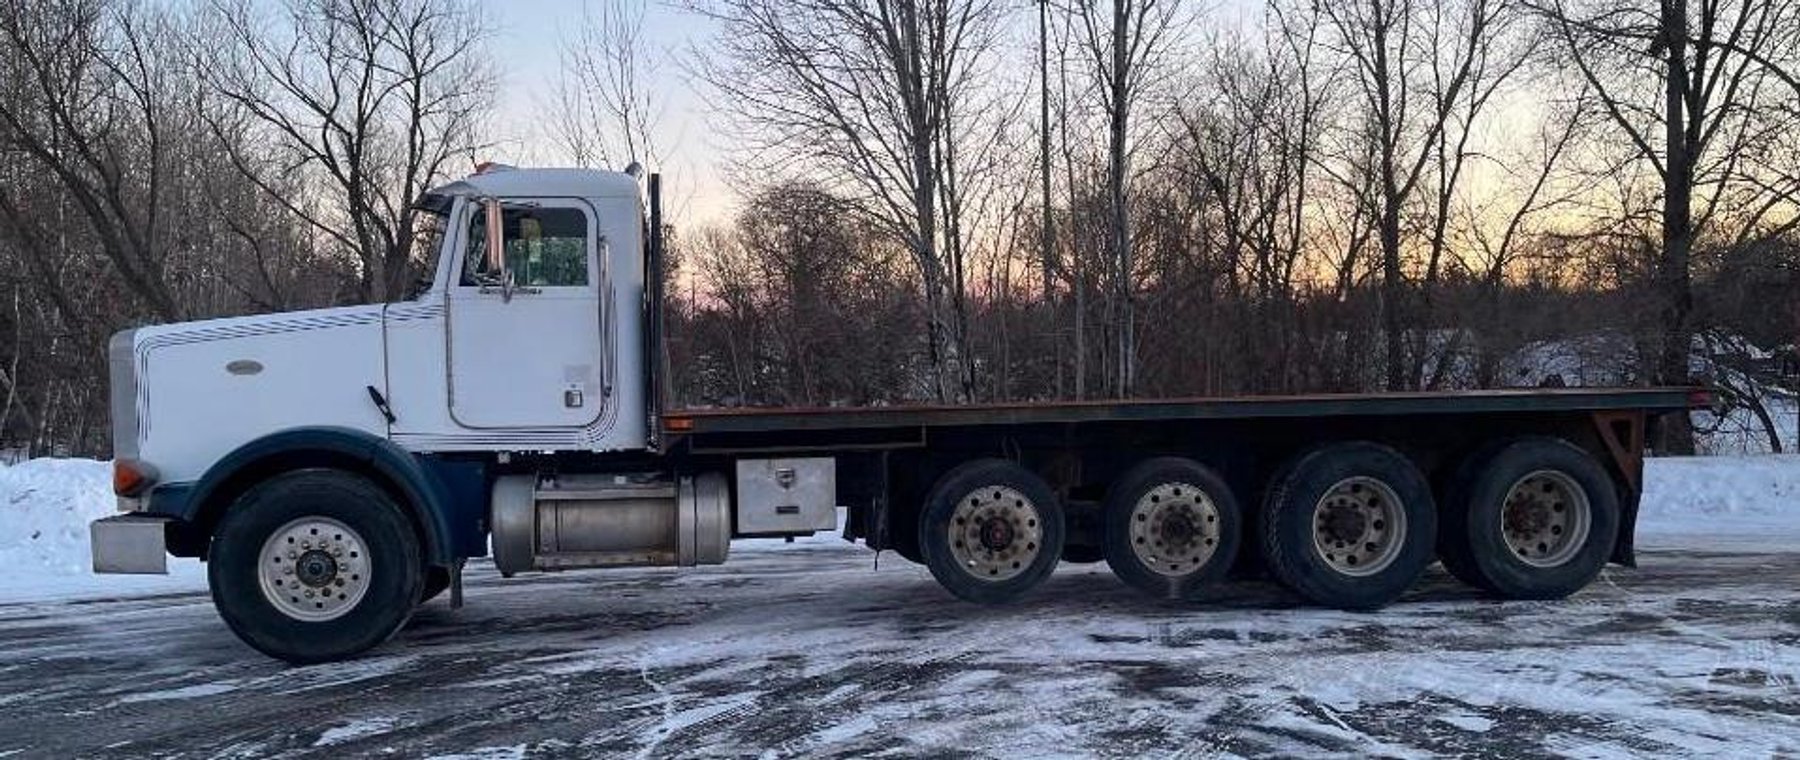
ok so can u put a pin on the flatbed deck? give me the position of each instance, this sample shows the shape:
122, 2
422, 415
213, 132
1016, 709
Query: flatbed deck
763, 419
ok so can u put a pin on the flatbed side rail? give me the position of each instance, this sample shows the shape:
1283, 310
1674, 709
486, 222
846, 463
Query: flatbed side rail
1341, 405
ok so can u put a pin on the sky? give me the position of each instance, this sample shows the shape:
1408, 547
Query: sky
526, 46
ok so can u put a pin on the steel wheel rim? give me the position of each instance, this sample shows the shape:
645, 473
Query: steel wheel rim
314, 569
1546, 518
1174, 529
1359, 526
995, 533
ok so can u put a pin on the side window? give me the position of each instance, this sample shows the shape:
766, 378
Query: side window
545, 247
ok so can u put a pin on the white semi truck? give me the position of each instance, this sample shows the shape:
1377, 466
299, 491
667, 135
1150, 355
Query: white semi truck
336, 468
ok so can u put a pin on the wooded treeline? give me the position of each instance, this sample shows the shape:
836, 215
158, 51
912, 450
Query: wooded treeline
959, 200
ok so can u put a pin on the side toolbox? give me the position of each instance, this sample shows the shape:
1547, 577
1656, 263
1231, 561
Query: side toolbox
785, 496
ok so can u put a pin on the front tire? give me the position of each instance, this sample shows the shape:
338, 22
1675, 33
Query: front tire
315, 566
1350, 525
991, 530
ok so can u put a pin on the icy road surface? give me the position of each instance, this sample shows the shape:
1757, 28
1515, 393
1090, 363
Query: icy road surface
806, 650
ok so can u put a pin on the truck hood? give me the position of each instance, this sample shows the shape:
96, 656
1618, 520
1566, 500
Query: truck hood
186, 394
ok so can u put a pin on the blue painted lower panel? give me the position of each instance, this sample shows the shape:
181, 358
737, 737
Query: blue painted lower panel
464, 503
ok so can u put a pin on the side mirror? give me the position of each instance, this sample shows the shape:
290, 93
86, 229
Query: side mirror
496, 253
496, 256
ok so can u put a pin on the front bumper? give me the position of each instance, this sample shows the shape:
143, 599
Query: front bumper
130, 544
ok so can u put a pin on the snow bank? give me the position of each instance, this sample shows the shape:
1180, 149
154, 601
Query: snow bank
47, 505
1722, 488
1722, 502
1725, 502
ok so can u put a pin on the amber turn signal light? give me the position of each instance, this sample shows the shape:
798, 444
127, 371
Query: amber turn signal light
132, 477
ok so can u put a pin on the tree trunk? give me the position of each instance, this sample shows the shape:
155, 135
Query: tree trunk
1672, 278
1120, 227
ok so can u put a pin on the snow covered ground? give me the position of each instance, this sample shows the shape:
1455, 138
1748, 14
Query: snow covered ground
812, 649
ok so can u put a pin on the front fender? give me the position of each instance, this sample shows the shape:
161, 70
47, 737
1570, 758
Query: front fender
444, 498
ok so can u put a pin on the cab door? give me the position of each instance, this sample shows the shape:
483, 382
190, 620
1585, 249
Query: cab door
525, 327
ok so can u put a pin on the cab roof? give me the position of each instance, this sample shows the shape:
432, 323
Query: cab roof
504, 182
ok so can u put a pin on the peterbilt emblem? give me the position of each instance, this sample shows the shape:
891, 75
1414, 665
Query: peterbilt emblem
244, 367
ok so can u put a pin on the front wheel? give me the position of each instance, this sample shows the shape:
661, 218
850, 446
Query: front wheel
315, 566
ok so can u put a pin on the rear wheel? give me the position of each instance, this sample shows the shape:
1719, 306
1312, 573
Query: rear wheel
990, 531
1535, 519
1349, 525
315, 565
1172, 527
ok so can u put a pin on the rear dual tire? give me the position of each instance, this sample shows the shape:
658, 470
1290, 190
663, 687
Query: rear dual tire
1349, 525
1535, 518
990, 531
1172, 528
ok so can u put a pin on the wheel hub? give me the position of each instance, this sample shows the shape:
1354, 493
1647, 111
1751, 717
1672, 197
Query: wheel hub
1345, 523
1546, 518
314, 569
1174, 529
1359, 526
1178, 530
995, 533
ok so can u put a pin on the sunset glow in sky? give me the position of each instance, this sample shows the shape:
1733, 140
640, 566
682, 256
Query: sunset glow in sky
528, 38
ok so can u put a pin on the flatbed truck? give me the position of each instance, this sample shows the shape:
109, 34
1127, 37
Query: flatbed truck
336, 468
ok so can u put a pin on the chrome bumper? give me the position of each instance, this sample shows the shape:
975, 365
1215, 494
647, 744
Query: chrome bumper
131, 544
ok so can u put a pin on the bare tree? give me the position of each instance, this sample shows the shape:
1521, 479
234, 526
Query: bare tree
1415, 64
607, 111
1127, 45
1672, 78
876, 98
1499, 230
361, 106
86, 104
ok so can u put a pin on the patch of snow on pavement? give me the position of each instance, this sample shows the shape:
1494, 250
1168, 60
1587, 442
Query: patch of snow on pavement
185, 692
47, 505
515, 752
356, 729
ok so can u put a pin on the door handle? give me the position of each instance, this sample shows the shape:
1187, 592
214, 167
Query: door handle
488, 290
